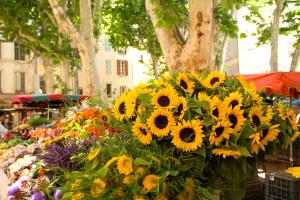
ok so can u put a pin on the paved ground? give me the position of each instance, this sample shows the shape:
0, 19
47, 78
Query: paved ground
3, 185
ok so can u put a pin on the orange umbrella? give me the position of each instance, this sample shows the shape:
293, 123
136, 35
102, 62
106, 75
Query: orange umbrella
279, 83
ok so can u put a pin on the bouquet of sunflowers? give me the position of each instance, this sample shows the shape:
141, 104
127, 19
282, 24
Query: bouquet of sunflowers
217, 127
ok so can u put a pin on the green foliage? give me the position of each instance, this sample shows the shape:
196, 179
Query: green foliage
38, 121
127, 24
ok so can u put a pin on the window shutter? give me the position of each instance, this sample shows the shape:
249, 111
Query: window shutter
118, 67
126, 67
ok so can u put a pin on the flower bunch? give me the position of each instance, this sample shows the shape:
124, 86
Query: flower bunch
220, 121
39, 133
89, 121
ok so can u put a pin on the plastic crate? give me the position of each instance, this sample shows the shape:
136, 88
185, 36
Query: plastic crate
254, 188
281, 186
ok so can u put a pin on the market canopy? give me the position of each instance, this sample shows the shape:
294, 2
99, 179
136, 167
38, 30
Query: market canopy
279, 83
45, 98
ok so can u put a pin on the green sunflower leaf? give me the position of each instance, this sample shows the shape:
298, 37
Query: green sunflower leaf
102, 172
244, 151
141, 161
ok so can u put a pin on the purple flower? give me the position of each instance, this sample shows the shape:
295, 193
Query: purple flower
37, 196
57, 194
13, 189
23, 179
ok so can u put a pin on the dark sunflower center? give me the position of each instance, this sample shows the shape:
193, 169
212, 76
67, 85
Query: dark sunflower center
187, 135
265, 133
104, 118
219, 131
233, 120
161, 122
215, 112
234, 103
183, 84
256, 120
163, 101
179, 110
143, 131
122, 108
214, 80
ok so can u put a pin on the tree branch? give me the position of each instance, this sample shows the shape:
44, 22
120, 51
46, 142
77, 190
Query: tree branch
66, 26
295, 59
200, 35
167, 37
33, 40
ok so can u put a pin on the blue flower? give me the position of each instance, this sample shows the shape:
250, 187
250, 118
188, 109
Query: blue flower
57, 194
13, 189
37, 196
23, 179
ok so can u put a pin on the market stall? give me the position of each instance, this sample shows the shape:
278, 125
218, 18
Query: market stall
285, 84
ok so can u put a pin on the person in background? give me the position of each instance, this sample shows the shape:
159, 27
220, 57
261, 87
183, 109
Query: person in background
2, 130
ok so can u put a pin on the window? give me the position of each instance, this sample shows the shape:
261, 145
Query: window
108, 90
122, 67
123, 89
108, 67
20, 52
122, 51
20, 82
107, 45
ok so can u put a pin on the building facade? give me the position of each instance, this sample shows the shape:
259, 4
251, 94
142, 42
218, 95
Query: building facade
118, 71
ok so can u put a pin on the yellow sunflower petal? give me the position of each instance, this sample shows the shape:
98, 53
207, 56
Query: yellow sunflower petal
125, 165
141, 131
160, 122
188, 135
185, 83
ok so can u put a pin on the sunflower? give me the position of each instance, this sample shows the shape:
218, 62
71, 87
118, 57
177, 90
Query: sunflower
119, 109
150, 182
213, 80
295, 136
93, 153
281, 111
220, 131
268, 114
203, 97
291, 115
181, 108
234, 99
130, 104
141, 131
129, 179
160, 122
261, 139
226, 153
77, 196
188, 135
255, 115
235, 117
184, 82
165, 98
138, 197
295, 171
125, 165
217, 108
97, 187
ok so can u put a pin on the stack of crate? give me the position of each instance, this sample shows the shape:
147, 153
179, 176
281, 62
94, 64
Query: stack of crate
281, 186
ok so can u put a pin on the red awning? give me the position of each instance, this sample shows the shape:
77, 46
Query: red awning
278, 83
46, 97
